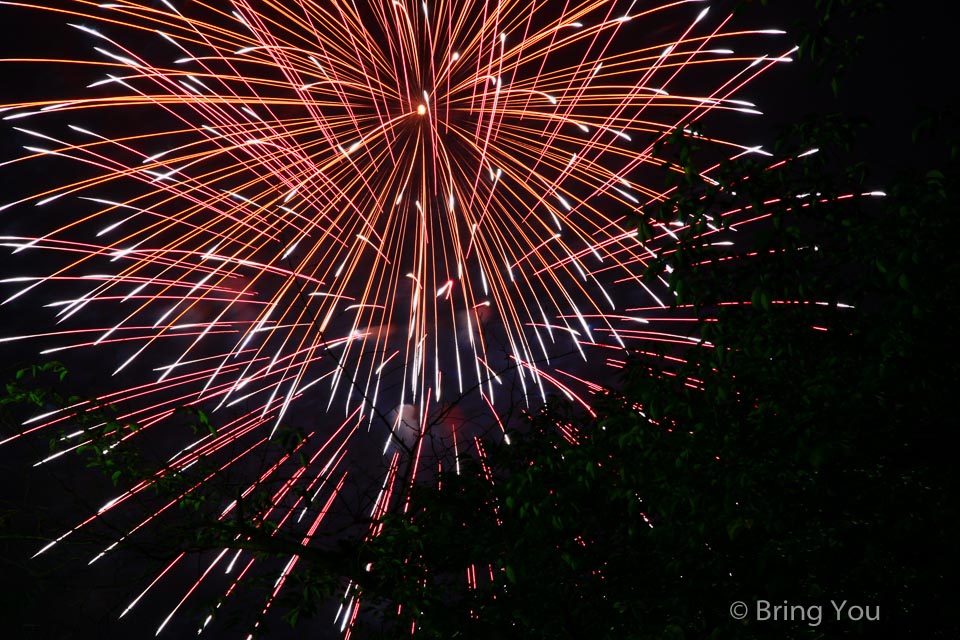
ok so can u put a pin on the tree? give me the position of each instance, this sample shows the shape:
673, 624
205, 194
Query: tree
796, 456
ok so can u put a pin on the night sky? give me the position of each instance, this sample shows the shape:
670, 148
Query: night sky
905, 70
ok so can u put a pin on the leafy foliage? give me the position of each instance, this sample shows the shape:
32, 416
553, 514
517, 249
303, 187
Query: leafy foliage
799, 453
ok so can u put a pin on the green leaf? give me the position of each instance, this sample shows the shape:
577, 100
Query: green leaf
904, 282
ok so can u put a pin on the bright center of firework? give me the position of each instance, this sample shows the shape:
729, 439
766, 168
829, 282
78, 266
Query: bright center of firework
422, 109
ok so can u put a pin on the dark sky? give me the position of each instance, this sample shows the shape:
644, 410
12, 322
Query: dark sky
905, 72
906, 69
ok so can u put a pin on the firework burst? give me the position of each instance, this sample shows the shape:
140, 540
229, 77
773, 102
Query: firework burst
376, 211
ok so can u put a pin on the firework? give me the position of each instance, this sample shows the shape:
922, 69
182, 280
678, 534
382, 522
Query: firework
394, 215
